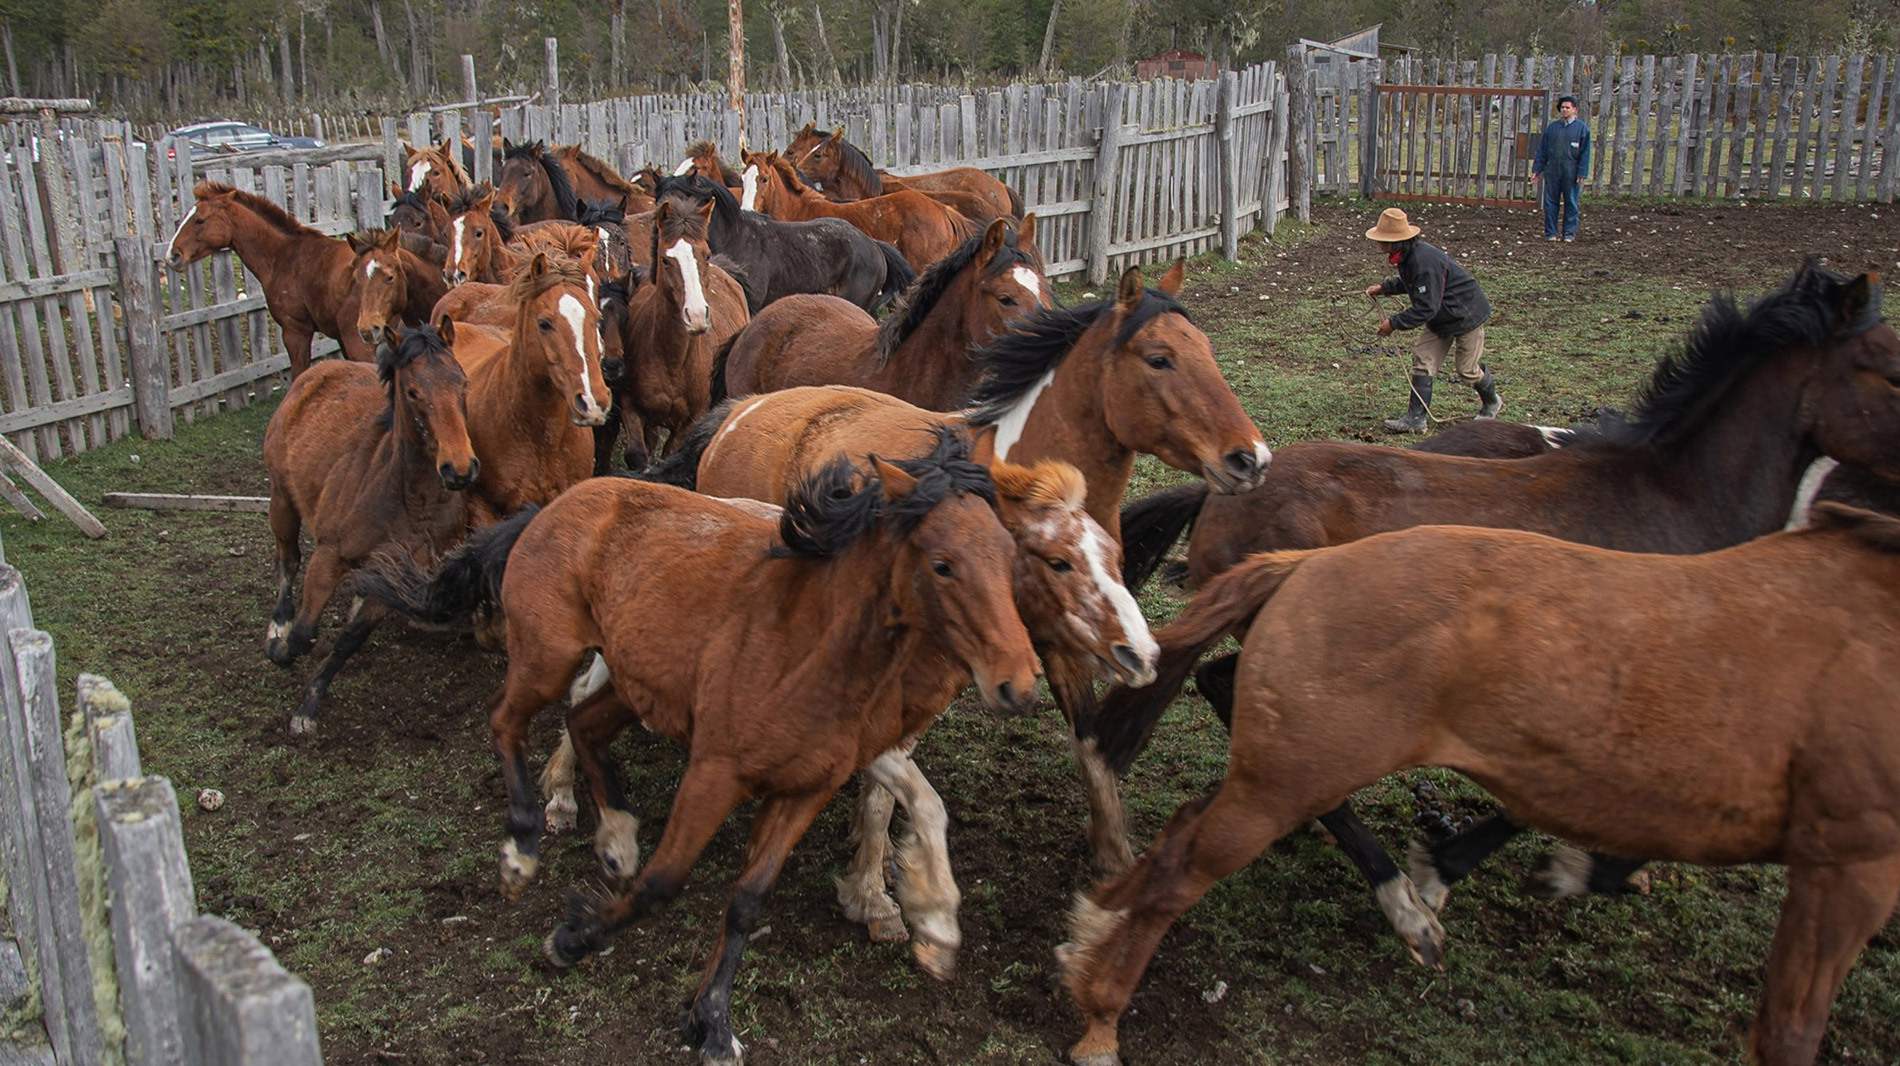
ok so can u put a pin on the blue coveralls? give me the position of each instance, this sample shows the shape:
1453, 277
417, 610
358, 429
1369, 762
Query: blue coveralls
1563, 156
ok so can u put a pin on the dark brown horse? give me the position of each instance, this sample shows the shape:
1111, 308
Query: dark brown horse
706, 615
1713, 455
305, 274
1733, 707
389, 285
921, 351
372, 460
534, 185
534, 390
921, 228
421, 215
843, 170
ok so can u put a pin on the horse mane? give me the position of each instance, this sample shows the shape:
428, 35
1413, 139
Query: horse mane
701, 188
786, 171
363, 240
1726, 344
616, 289
923, 294
689, 224
835, 505
604, 211
1872, 528
1048, 483
465, 201
726, 174
1035, 343
558, 181
411, 198
851, 158
413, 345
263, 208
561, 270
598, 167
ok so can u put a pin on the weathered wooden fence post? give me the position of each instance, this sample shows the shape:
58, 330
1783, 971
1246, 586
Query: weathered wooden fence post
151, 372
1102, 206
1298, 121
1369, 129
143, 847
1279, 161
1227, 144
553, 46
240, 1007
392, 155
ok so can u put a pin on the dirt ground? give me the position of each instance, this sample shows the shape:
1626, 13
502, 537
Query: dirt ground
400, 790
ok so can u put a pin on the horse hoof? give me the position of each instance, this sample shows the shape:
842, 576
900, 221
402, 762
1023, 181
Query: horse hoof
553, 953
302, 725
1424, 872
1567, 874
516, 870
562, 813
937, 960
887, 930
720, 1057
278, 652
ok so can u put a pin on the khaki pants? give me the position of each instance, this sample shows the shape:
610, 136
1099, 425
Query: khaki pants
1466, 350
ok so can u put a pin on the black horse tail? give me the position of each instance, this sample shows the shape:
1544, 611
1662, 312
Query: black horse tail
1015, 201
897, 276
466, 586
719, 368
681, 468
1227, 604
1152, 524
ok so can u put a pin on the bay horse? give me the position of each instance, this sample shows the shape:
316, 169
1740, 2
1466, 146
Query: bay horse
921, 228
389, 284
706, 615
825, 255
593, 178
305, 274
372, 459
702, 158
534, 390
920, 352
435, 170
1738, 710
1713, 455
842, 168
534, 185
419, 214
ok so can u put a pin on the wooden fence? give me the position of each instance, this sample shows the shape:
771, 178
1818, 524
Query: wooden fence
97, 340
1751, 124
100, 916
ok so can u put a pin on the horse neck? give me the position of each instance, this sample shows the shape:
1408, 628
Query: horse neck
267, 249
931, 367
847, 183
1067, 421
515, 387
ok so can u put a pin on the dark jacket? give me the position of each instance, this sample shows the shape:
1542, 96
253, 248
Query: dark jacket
1563, 153
1444, 297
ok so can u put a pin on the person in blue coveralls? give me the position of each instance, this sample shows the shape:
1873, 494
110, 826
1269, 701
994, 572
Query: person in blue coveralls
1563, 157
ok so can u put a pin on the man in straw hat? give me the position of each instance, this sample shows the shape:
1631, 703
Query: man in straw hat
1448, 310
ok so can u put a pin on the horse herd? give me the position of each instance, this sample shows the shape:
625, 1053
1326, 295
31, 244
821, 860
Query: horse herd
831, 523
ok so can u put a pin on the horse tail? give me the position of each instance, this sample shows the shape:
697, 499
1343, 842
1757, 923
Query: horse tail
680, 468
466, 586
719, 368
1015, 201
897, 276
1226, 604
1152, 524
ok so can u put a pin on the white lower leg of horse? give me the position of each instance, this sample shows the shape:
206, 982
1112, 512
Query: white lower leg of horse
1109, 853
557, 784
925, 886
861, 890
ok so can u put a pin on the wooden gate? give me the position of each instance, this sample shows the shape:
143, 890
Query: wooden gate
1457, 144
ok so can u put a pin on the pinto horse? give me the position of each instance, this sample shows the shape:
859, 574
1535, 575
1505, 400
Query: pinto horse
1713, 455
389, 284
373, 460
843, 170
920, 353
921, 228
1739, 708
776, 650
534, 185
436, 171
533, 391
305, 274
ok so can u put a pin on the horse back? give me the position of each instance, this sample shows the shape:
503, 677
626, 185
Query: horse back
769, 441
323, 430
970, 181
803, 339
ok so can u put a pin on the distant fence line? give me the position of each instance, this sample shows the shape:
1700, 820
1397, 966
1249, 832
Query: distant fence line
97, 341
100, 916
1751, 124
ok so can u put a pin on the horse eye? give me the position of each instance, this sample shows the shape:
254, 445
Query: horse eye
1160, 362
1006, 301
1060, 566
415, 394
941, 568
545, 325
479, 232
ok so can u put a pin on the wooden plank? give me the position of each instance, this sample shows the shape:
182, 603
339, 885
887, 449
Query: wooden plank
1846, 129
151, 379
242, 1007
1890, 134
59, 285
1765, 93
30, 472
1789, 87
1686, 123
118, 399
1870, 126
1740, 101
27, 899
1106, 160
26, 349
1645, 101
1715, 127
1821, 106
149, 879
159, 501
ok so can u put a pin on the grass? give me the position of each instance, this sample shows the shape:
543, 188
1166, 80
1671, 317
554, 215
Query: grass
381, 832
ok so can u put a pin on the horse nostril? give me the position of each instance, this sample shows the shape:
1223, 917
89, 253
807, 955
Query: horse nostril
611, 369
1006, 694
1128, 659
1241, 461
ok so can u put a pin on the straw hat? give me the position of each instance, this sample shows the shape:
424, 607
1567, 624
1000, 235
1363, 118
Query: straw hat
1393, 226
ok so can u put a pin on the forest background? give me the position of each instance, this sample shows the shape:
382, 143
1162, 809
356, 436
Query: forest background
187, 59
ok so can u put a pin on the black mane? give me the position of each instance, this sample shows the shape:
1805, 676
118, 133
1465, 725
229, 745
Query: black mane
835, 505
1727, 344
465, 201
605, 211
1037, 342
852, 160
411, 345
918, 300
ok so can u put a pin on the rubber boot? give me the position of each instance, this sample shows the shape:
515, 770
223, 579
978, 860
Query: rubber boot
1488, 393
1413, 420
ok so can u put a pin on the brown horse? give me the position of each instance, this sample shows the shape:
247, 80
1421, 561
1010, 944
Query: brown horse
675, 319
843, 170
534, 185
920, 352
1713, 455
419, 214
702, 157
435, 170
305, 274
776, 651
373, 460
921, 228
534, 390
1736, 707
593, 178
389, 284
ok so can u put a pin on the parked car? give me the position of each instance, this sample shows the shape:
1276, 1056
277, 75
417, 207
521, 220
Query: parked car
224, 135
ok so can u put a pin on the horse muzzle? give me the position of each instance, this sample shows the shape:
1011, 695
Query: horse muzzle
1133, 669
1010, 698
452, 278
456, 480
372, 335
586, 412
612, 370
1240, 470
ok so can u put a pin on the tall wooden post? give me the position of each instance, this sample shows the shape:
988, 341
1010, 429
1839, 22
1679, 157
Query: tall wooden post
735, 62
1369, 130
151, 377
1299, 119
1102, 205
1227, 143
553, 46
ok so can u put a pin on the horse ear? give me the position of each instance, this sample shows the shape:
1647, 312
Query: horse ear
507, 145
392, 239
358, 244
993, 237
1128, 293
446, 327
983, 446
837, 134
1170, 282
1857, 297
706, 210
395, 190
448, 147
539, 266
896, 483
1026, 230
810, 128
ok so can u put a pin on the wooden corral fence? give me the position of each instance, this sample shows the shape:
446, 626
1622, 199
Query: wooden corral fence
101, 925
1750, 124
99, 340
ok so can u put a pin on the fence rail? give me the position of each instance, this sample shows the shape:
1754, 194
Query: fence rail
98, 341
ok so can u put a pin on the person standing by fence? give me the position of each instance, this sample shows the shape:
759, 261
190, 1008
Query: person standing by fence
1563, 157
1448, 310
